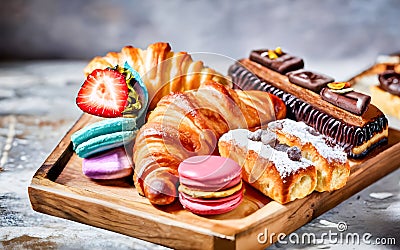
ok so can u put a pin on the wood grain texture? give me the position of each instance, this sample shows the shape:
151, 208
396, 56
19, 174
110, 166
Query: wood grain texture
59, 188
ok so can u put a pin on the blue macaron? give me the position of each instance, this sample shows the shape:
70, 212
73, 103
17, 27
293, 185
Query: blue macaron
104, 135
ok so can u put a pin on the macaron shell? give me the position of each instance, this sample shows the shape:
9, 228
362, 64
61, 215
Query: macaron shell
112, 164
107, 126
142, 91
210, 186
209, 172
104, 142
211, 206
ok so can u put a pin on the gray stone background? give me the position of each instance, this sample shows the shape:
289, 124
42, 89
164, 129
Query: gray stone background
318, 30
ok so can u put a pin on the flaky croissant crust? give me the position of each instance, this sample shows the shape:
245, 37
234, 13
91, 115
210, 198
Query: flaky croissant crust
188, 124
163, 71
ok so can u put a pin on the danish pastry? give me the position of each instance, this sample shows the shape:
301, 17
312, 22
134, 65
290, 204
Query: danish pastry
330, 160
269, 168
288, 160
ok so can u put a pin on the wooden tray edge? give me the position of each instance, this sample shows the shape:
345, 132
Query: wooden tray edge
133, 223
56, 161
303, 210
310, 207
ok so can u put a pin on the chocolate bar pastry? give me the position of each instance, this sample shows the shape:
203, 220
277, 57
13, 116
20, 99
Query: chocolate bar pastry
383, 82
308, 79
348, 118
277, 60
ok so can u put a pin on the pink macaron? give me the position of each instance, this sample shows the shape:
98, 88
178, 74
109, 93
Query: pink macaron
210, 184
211, 206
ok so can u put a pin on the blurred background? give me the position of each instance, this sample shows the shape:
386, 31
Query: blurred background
322, 32
45, 44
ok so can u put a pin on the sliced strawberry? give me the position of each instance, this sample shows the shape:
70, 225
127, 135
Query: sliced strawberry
104, 93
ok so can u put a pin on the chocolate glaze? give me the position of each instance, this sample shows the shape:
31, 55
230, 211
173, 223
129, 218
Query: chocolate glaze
283, 64
354, 102
390, 82
308, 79
346, 135
390, 67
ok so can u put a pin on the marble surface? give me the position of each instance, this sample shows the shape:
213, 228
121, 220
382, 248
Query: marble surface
36, 109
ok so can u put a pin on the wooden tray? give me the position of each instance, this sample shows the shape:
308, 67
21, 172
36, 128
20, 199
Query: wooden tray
59, 188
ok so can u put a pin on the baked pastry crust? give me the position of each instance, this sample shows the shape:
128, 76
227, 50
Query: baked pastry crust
389, 103
333, 168
268, 170
323, 167
188, 124
162, 70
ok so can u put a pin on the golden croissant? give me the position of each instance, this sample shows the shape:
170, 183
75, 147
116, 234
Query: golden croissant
188, 124
162, 70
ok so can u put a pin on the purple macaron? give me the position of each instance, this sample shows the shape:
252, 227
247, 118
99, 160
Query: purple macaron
112, 164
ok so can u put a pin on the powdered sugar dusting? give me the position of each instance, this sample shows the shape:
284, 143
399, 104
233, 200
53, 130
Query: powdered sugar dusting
301, 130
283, 164
238, 136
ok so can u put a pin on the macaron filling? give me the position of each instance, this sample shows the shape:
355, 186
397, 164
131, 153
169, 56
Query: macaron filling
210, 184
209, 173
211, 206
214, 201
208, 194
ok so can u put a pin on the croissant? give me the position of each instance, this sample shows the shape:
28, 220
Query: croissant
162, 70
188, 124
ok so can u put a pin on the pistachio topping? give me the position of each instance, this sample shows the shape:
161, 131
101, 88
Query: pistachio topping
336, 85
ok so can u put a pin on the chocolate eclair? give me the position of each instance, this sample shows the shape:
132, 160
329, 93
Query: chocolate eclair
357, 134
